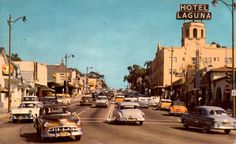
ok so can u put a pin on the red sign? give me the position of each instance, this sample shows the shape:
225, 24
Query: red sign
5, 69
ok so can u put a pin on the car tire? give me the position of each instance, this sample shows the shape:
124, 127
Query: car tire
227, 131
141, 123
78, 137
14, 120
185, 124
205, 129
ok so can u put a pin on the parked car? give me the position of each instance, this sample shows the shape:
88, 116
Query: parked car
177, 108
164, 104
128, 112
58, 121
86, 100
47, 100
151, 102
63, 99
101, 101
26, 111
209, 117
30, 98
143, 101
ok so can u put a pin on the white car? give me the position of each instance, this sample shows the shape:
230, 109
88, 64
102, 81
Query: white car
63, 100
26, 111
128, 112
101, 101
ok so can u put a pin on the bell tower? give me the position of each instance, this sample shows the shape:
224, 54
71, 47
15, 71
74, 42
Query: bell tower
193, 31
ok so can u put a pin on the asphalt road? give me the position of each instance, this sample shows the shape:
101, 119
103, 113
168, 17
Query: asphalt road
159, 128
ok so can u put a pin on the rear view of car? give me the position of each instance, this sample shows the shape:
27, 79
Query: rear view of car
177, 108
101, 101
164, 104
86, 100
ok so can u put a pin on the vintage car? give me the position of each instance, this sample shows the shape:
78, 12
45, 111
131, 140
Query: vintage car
119, 98
86, 100
63, 99
143, 101
30, 98
26, 111
128, 112
209, 117
101, 101
177, 108
47, 100
164, 104
58, 121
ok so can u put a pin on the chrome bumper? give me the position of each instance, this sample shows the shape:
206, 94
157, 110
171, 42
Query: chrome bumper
62, 132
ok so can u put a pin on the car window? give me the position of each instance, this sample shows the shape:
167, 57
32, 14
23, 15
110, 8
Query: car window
217, 112
129, 107
27, 105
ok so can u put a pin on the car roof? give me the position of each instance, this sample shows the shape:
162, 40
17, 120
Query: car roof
209, 108
56, 105
166, 100
30, 96
129, 103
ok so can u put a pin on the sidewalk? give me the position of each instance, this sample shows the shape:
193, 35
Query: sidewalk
4, 115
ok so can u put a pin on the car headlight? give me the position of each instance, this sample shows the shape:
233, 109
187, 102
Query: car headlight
143, 115
45, 124
78, 122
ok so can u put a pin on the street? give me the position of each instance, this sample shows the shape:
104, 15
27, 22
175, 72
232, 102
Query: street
158, 127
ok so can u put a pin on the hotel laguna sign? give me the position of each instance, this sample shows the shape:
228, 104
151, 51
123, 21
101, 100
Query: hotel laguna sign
193, 12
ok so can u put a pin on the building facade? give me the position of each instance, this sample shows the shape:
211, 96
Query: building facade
179, 65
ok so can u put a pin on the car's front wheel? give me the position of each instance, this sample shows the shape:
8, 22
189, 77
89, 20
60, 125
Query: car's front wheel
77, 138
185, 124
205, 129
141, 123
14, 120
227, 131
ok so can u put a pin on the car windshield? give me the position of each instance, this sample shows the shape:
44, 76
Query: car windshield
217, 112
129, 107
101, 98
179, 103
29, 98
57, 110
27, 105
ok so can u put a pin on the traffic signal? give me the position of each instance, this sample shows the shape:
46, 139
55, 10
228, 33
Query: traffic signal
229, 76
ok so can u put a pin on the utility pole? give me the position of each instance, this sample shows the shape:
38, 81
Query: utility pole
10, 22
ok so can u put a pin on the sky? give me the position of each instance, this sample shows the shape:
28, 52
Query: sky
107, 35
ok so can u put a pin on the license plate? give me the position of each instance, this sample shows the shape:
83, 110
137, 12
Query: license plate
64, 133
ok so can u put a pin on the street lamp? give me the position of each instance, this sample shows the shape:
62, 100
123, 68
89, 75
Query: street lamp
87, 68
66, 78
231, 8
10, 22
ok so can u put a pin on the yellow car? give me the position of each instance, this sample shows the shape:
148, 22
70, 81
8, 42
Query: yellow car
119, 99
164, 104
177, 108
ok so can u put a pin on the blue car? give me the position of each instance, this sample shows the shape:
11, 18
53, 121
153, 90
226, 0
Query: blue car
209, 117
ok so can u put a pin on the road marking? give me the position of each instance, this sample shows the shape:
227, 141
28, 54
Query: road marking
108, 117
83, 111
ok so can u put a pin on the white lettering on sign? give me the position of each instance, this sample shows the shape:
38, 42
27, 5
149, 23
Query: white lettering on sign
193, 15
194, 7
194, 12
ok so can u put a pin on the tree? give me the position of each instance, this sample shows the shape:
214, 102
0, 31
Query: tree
15, 57
136, 77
